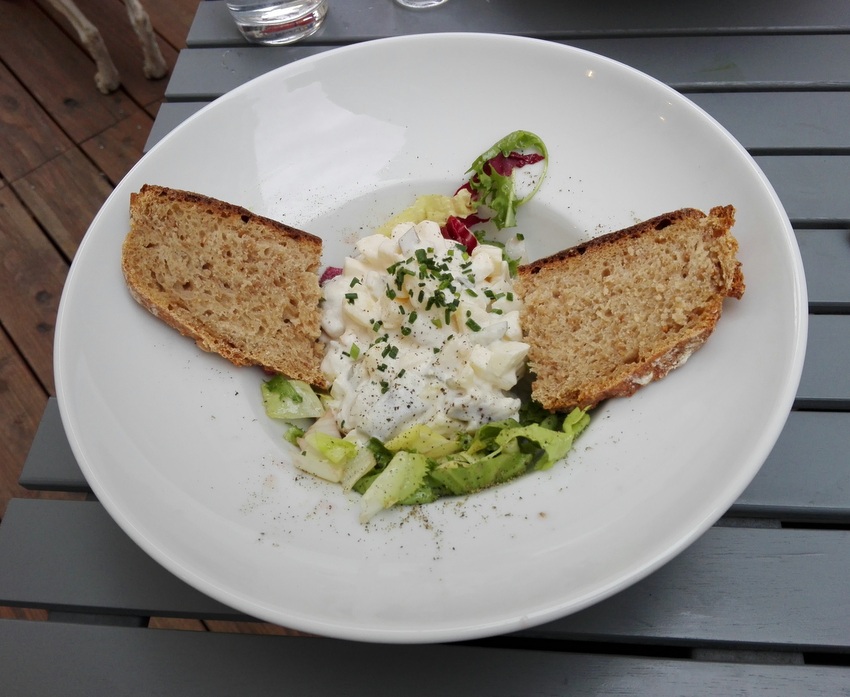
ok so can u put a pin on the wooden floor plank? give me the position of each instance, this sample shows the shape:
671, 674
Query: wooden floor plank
22, 613
64, 195
265, 628
176, 623
28, 135
31, 285
117, 149
62, 79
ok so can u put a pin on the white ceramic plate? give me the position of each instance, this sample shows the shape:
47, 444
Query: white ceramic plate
175, 444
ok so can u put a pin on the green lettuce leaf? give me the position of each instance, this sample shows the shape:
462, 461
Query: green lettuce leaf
497, 191
481, 473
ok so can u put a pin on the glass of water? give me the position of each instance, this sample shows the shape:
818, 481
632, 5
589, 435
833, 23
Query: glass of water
420, 4
277, 21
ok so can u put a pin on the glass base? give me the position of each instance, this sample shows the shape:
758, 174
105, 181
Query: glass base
280, 22
420, 4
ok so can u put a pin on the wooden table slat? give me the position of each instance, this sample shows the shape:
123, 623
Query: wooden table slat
826, 259
727, 587
721, 590
76, 537
169, 116
805, 477
825, 383
782, 123
50, 463
41, 656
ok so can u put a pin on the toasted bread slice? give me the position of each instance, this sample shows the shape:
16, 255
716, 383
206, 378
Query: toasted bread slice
613, 314
240, 285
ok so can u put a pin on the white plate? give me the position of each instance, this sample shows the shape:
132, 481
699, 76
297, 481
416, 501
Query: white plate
174, 441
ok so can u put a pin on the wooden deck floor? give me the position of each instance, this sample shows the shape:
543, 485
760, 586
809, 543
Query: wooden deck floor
63, 147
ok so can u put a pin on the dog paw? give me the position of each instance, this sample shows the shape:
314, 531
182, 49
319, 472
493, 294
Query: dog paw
155, 69
107, 81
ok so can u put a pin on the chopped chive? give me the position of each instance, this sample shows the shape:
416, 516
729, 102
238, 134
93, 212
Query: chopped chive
355, 352
351, 297
473, 325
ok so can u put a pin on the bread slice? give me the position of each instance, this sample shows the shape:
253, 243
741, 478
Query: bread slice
240, 285
613, 314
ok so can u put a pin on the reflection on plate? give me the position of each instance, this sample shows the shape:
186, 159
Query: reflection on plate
175, 444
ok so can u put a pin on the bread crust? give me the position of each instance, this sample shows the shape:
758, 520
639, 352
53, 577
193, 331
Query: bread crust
172, 267
561, 380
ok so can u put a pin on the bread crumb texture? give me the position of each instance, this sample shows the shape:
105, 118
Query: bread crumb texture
609, 316
241, 285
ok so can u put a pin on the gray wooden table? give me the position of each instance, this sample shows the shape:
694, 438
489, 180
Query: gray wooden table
760, 605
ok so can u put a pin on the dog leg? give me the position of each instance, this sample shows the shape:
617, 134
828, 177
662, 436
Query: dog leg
106, 78
154, 65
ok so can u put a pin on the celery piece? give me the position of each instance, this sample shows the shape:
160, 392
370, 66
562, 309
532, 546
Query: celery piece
357, 468
290, 399
424, 440
337, 450
401, 478
311, 461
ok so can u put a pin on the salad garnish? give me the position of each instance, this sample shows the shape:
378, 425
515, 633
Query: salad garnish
493, 184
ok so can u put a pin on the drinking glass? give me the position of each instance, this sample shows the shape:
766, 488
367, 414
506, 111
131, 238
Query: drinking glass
277, 21
420, 4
